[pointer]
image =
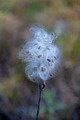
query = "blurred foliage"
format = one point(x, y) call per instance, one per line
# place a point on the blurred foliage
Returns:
point(8, 5)
point(60, 16)
point(52, 105)
point(33, 8)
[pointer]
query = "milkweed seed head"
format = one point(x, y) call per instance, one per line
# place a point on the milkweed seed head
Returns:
point(41, 55)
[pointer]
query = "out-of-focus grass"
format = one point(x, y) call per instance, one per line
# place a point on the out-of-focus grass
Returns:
point(9, 83)
point(50, 106)
point(9, 5)
point(33, 8)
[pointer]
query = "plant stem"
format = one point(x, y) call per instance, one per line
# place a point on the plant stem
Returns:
point(38, 108)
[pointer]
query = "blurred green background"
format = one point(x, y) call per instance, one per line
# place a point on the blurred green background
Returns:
point(19, 96)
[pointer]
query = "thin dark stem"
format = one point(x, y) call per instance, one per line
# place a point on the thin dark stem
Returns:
point(38, 108)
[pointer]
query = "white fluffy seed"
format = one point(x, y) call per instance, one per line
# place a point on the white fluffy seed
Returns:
point(42, 57)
